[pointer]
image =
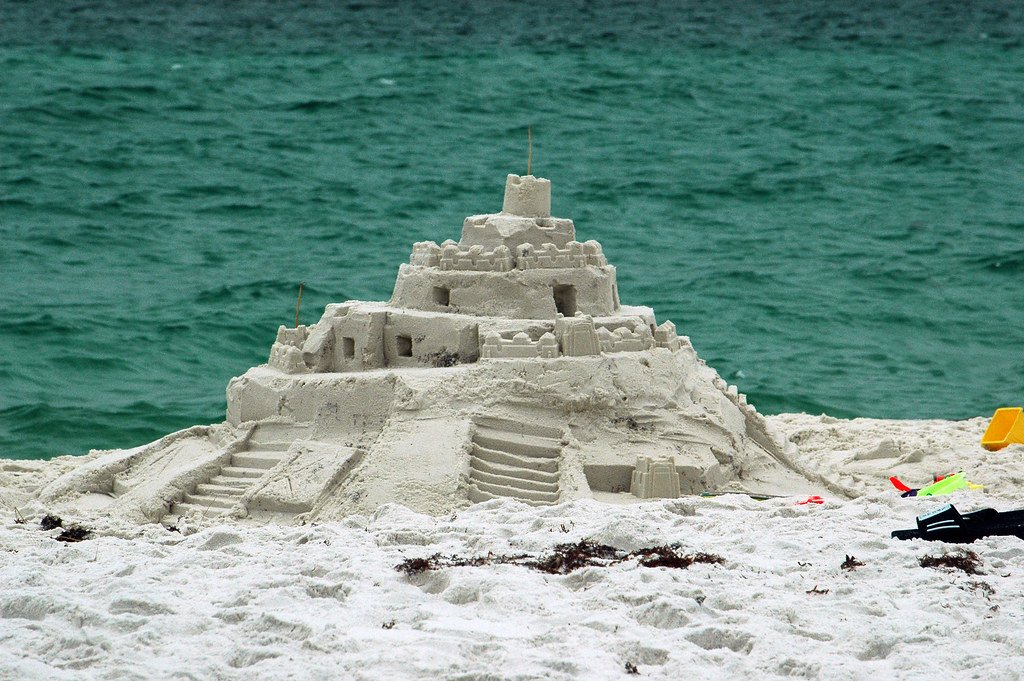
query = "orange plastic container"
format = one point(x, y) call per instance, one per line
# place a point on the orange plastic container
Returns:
point(1005, 428)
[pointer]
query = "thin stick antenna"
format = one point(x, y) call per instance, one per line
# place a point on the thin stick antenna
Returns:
point(529, 153)
point(298, 304)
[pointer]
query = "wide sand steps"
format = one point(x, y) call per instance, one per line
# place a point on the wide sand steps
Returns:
point(515, 459)
point(500, 458)
point(515, 443)
point(484, 466)
point(263, 460)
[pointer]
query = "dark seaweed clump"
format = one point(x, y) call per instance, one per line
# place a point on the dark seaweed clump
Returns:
point(964, 560)
point(414, 566)
point(74, 533)
point(668, 556)
point(71, 533)
point(566, 558)
point(51, 522)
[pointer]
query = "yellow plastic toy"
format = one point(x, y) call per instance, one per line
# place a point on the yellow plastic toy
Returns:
point(1006, 428)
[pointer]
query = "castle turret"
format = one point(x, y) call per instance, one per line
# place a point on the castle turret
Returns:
point(525, 218)
point(527, 196)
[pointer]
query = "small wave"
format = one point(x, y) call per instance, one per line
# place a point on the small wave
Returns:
point(15, 203)
point(104, 92)
point(24, 181)
point(252, 290)
point(231, 208)
point(52, 241)
point(925, 154)
point(313, 105)
point(75, 361)
point(77, 114)
point(195, 191)
point(38, 327)
point(773, 403)
point(1001, 263)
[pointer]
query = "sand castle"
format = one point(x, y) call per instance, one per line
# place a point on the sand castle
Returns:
point(504, 365)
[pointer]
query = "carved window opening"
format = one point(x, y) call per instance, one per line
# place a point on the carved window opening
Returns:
point(404, 346)
point(565, 299)
point(442, 296)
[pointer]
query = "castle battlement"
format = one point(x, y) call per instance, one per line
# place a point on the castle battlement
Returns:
point(475, 258)
point(451, 256)
point(624, 340)
point(520, 346)
point(575, 254)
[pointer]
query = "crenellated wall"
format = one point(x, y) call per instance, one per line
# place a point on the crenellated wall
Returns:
point(287, 358)
point(491, 231)
point(624, 340)
point(519, 346)
point(575, 254)
point(475, 258)
point(451, 256)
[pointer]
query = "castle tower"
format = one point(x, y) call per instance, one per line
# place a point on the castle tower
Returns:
point(521, 263)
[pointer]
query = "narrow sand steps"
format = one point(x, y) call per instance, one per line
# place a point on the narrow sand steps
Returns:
point(515, 459)
point(215, 497)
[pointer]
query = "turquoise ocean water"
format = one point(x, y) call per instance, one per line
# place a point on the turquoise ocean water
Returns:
point(829, 201)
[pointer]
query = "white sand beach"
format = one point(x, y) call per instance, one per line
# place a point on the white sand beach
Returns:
point(223, 600)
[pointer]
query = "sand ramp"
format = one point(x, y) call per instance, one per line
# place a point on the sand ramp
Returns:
point(515, 459)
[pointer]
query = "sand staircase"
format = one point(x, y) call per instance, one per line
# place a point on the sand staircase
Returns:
point(515, 459)
point(216, 496)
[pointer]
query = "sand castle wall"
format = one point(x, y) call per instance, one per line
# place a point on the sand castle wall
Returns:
point(540, 293)
point(355, 336)
point(341, 404)
point(358, 340)
point(491, 231)
point(412, 340)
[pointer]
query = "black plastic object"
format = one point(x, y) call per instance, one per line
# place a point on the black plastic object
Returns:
point(948, 525)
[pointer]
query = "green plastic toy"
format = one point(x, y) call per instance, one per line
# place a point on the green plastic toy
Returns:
point(947, 485)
